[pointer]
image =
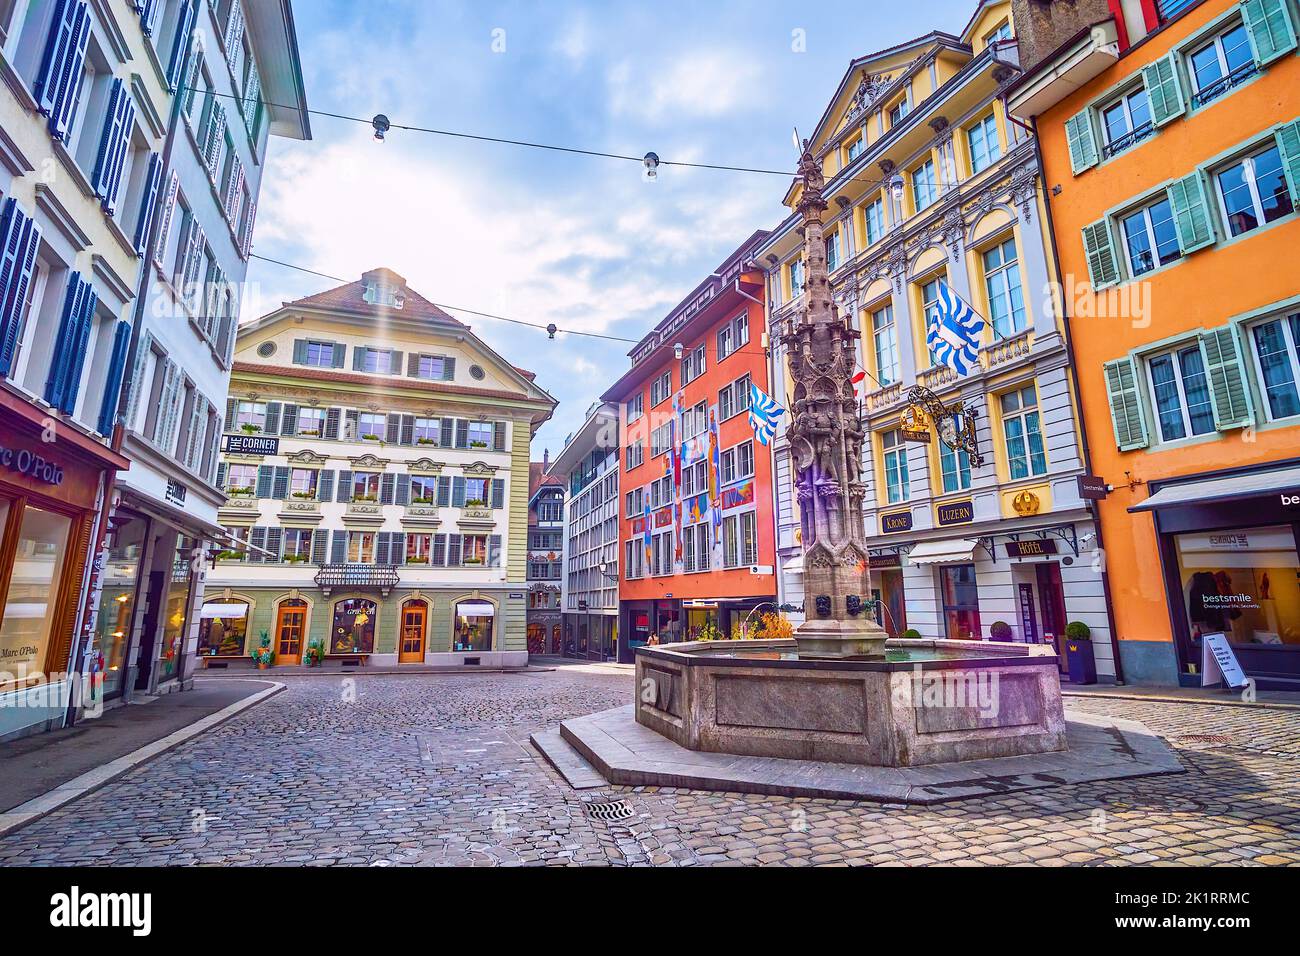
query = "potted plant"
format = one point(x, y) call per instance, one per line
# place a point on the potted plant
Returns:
point(262, 655)
point(911, 634)
point(423, 500)
point(314, 654)
point(230, 556)
point(1079, 658)
point(425, 441)
point(1000, 631)
point(364, 498)
point(314, 432)
point(417, 560)
point(295, 558)
point(472, 561)
point(474, 503)
point(304, 494)
point(240, 492)
point(370, 437)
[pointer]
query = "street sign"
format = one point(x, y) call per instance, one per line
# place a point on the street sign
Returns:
point(1217, 659)
point(1092, 488)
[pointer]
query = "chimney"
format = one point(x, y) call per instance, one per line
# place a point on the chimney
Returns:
point(546, 460)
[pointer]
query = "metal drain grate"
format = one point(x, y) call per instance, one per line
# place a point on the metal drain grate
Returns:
point(614, 810)
point(1205, 738)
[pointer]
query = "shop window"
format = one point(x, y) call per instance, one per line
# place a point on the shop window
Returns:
point(117, 602)
point(1180, 393)
point(353, 628)
point(1002, 282)
point(29, 610)
point(176, 609)
point(1253, 191)
point(1022, 431)
point(961, 610)
point(1242, 582)
point(897, 486)
point(474, 620)
point(1150, 237)
point(1277, 357)
point(223, 628)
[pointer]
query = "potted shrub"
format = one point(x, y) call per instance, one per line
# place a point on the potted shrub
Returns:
point(314, 654)
point(1000, 631)
point(1079, 658)
point(262, 655)
point(911, 634)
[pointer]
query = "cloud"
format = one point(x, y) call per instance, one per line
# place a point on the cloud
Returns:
point(705, 83)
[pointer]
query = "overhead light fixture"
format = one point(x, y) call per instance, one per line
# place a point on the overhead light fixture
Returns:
point(651, 162)
point(551, 330)
point(381, 125)
point(678, 351)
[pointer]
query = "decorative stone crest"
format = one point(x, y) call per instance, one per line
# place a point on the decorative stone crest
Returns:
point(307, 457)
point(479, 469)
point(368, 461)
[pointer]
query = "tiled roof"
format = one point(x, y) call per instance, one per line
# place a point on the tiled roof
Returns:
point(352, 298)
point(538, 478)
point(359, 378)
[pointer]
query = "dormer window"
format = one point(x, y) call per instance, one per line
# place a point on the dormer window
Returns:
point(383, 293)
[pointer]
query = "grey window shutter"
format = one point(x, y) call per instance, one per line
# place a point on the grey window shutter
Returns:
point(447, 428)
point(344, 487)
point(1226, 372)
point(397, 548)
point(381, 548)
point(265, 478)
point(438, 551)
point(458, 492)
point(272, 418)
point(340, 351)
point(325, 485)
point(332, 418)
point(1126, 410)
point(221, 475)
point(281, 490)
point(462, 433)
point(230, 415)
point(498, 493)
point(494, 551)
point(395, 362)
point(402, 493)
point(353, 417)
point(339, 547)
point(289, 420)
point(358, 358)
point(413, 365)
point(257, 538)
point(498, 436)
point(448, 369)
point(386, 482)
point(393, 429)
point(299, 351)
point(444, 491)
point(453, 550)
point(1081, 141)
point(319, 546)
point(275, 544)
point(407, 434)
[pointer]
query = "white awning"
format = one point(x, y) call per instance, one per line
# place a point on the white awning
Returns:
point(475, 609)
point(952, 551)
point(1227, 488)
point(229, 609)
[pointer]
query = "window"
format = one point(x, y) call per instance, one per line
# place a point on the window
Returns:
point(695, 420)
point(1230, 578)
point(659, 441)
point(796, 278)
point(925, 189)
point(635, 454)
point(1020, 428)
point(302, 482)
point(427, 431)
point(875, 216)
point(739, 540)
point(1253, 191)
point(250, 416)
point(1126, 121)
point(1277, 353)
point(884, 339)
point(474, 549)
point(1002, 32)
point(372, 425)
point(733, 335)
point(899, 110)
point(474, 621)
point(1002, 281)
point(954, 469)
point(550, 510)
point(365, 486)
point(1180, 394)
point(223, 628)
point(634, 559)
point(695, 548)
point(241, 478)
point(319, 355)
point(418, 548)
point(376, 360)
point(476, 492)
point(833, 251)
point(984, 146)
point(734, 398)
point(635, 500)
point(481, 434)
point(636, 407)
point(424, 489)
point(693, 364)
point(855, 149)
point(895, 459)
point(311, 421)
point(1221, 64)
point(433, 367)
point(361, 547)
point(662, 550)
point(660, 388)
point(297, 545)
point(353, 629)
point(929, 301)
point(29, 613)
point(695, 478)
point(737, 463)
point(1150, 237)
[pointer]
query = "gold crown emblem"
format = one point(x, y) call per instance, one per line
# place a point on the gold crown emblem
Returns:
point(1025, 503)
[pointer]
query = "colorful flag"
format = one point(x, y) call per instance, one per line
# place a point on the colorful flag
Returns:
point(763, 414)
point(953, 331)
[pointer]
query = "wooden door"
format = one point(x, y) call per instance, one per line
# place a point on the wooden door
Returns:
point(289, 625)
point(411, 650)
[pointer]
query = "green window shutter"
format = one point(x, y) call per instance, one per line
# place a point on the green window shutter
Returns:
point(1103, 266)
point(1126, 412)
point(1164, 90)
point(1288, 143)
point(1081, 141)
point(1191, 213)
point(1229, 391)
point(1271, 31)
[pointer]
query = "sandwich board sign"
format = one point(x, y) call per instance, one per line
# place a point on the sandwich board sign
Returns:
point(1219, 663)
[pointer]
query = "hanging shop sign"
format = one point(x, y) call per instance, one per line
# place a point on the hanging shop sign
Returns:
point(915, 424)
point(955, 512)
point(176, 492)
point(1031, 547)
point(896, 522)
point(1092, 488)
point(252, 445)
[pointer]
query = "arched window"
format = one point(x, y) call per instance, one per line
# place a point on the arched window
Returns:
point(223, 628)
point(353, 630)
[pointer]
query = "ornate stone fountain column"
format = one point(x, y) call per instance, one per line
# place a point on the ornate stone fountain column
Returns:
point(826, 438)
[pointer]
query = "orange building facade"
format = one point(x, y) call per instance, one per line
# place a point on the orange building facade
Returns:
point(696, 529)
point(1170, 141)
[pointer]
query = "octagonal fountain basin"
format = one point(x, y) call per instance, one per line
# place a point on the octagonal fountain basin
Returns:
point(923, 702)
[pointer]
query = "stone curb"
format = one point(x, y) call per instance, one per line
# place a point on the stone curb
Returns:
point(76, 788)
point(1162, 699)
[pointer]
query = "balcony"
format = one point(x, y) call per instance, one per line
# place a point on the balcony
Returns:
point(357, 576)
point(1005, 351)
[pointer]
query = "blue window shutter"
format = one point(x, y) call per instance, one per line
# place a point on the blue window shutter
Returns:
point(280, 491)
point(438, 553)
point(402, 493)
point(319, 546)
point(448, 368)
point(407, 435)
point(299, 351)
point(381, 548)
point(462, 433)
point(397, 548)
point(498, 436)
point(272, 418)
point(344, 492)
point(458, 492)
point(358, 359)
point(387, 485)
point(289, 420)
point(257, 538)
point(265, 478)
point(59, 78)
point(152, 183)
point(113, 145)
point(395, 362)
point(444, 491)
point(221, 475)
point(392, 429)
point(332, 417)
point(453, 550)
point(339, 547)
point(275, 544)
point(20, 237)
point(494, 551)
point(68, 358)
point(339, 351)
point(113, 384)
point(446, 428)
point(498, 493)
point(181, 43)
point(325, 485)
point(148, 15)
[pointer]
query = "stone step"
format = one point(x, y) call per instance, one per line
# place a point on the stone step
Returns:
point(572, 766)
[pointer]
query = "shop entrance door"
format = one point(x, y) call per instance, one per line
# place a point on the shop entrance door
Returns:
point(1051, 602)
point(290, 621)
point(412, 650)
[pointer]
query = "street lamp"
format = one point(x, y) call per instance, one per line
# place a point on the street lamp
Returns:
point(381, 125)
point(603, 568)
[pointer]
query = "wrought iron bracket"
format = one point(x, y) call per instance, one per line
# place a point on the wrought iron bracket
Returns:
point(962, 437)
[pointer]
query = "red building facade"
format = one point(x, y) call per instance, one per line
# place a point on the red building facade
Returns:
point(696, 525)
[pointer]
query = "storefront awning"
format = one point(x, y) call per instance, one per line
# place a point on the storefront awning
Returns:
point(475, 609)
point(1225, 488)
point(952, 551)
point(224, 609)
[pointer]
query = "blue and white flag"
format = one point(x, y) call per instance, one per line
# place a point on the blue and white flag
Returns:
point(763, 414)
point(953, 331)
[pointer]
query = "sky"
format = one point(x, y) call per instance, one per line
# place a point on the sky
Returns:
point(583, 242)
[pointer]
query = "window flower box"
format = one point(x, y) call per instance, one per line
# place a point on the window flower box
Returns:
point(240, 492)
point(371, 437)
point(478, 444)
point(230, 555)
point(364, 498)
point(250, 429)
point(472, 561)
point(417, 560)
point(421, 501)
point(304, 494)
point(425, 441)
point(295, 559)
point(313, 432)
point(475, 503)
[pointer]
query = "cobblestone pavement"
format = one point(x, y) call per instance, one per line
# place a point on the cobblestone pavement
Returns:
point(438, 770)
